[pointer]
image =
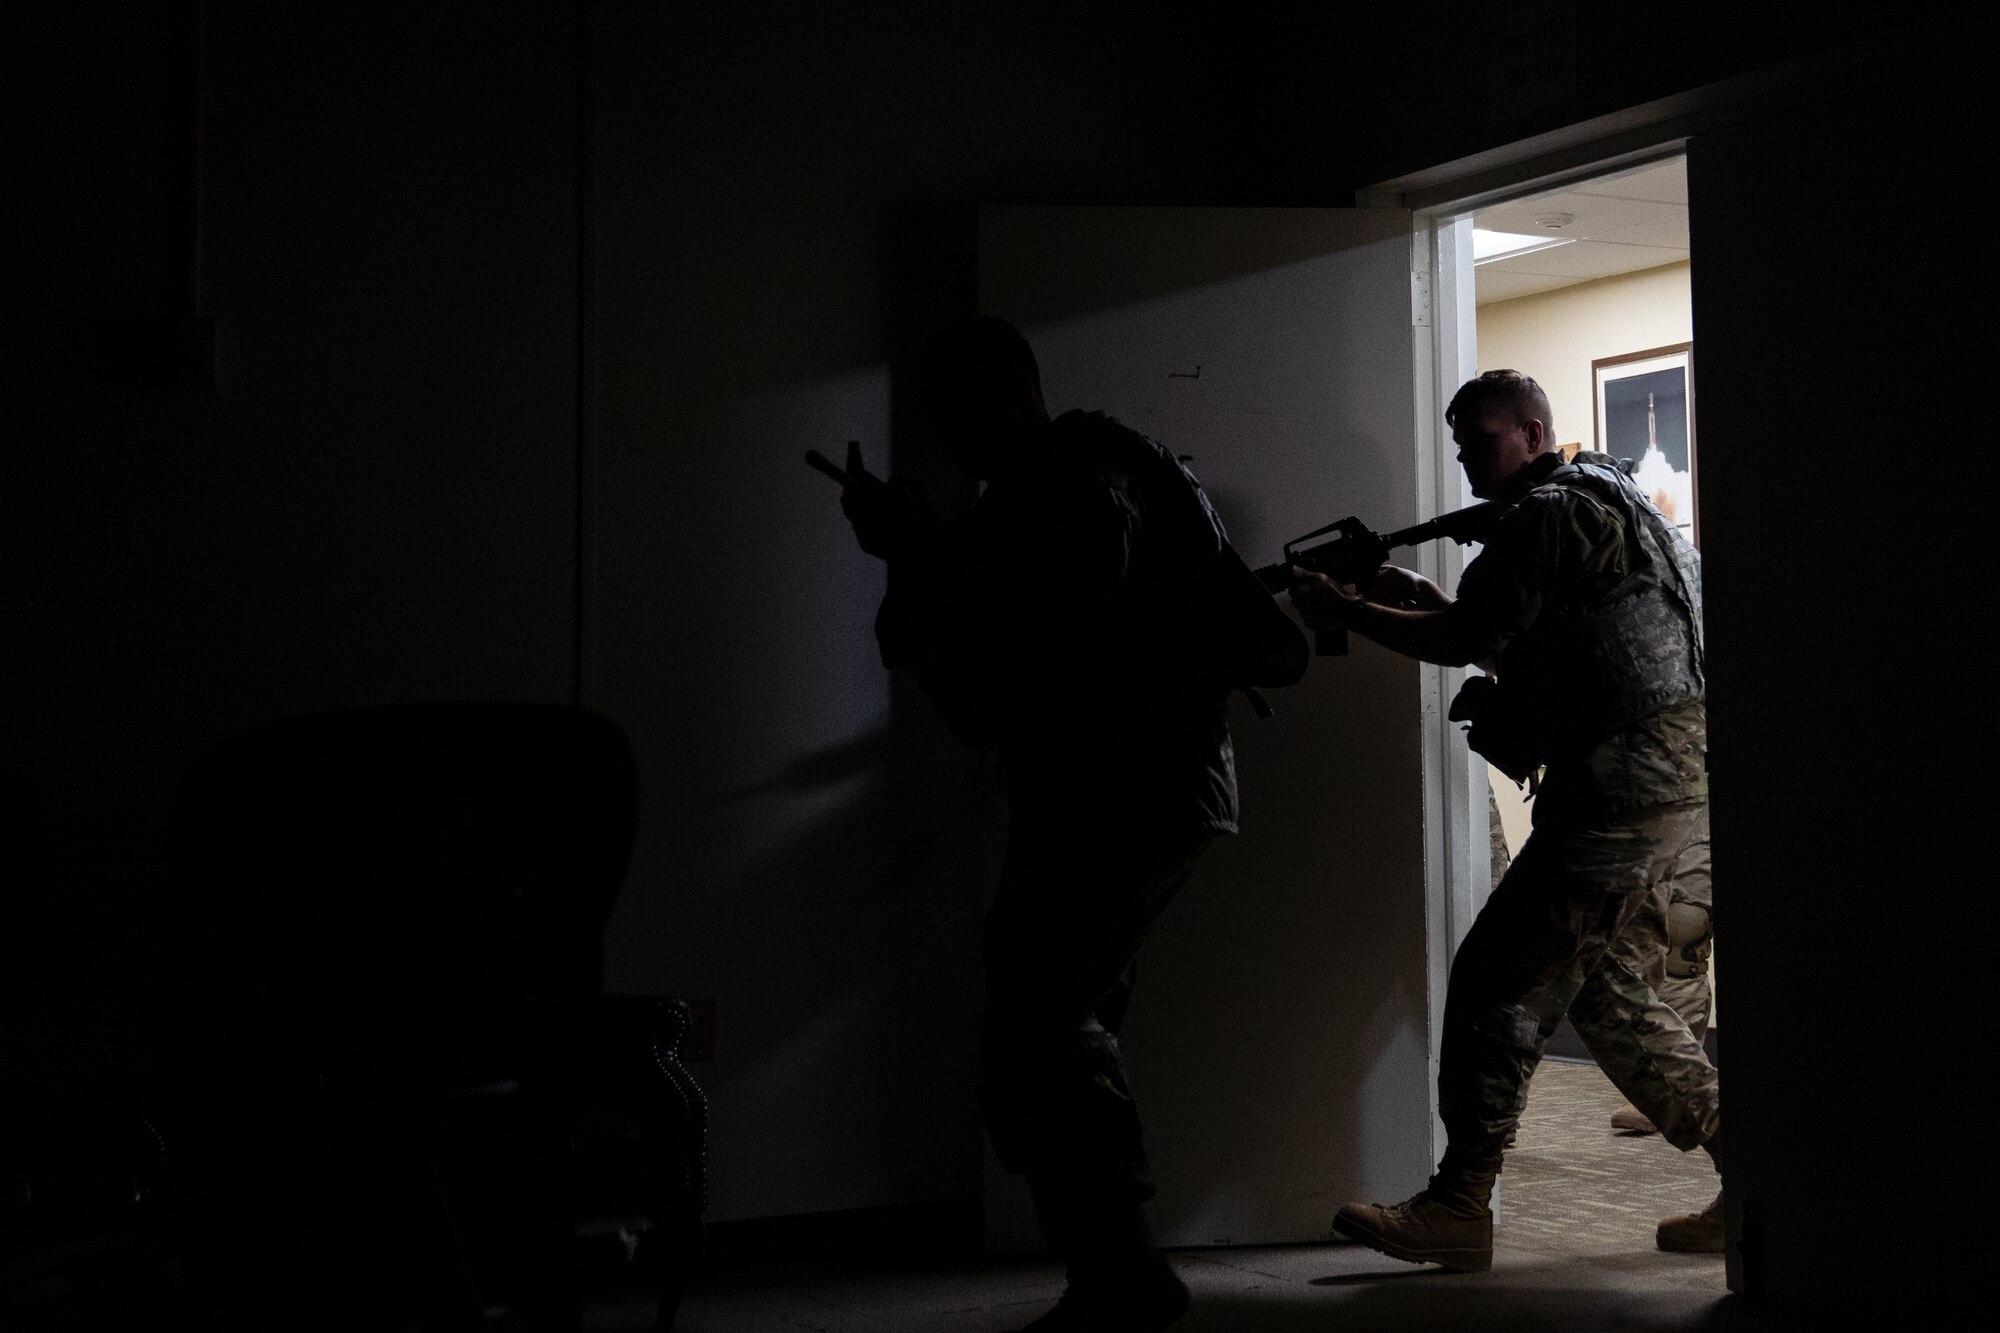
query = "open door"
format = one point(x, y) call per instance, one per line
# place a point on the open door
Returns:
point(1280, 1044)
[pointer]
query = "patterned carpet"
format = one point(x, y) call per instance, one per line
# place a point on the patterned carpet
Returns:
point(1574, 1187)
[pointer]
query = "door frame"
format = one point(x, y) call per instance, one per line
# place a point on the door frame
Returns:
point(1441, 200)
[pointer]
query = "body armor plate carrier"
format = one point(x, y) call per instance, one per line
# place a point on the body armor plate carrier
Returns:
point(1578, 679)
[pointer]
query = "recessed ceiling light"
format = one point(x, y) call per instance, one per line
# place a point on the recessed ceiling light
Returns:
point(1488, 246)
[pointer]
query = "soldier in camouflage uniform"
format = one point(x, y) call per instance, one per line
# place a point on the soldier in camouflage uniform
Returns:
point(1055, 619)
point(1588, 604)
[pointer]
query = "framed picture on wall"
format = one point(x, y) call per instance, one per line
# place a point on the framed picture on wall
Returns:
point(1645, 412)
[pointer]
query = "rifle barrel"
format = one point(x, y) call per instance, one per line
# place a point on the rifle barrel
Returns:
point(1444, 525)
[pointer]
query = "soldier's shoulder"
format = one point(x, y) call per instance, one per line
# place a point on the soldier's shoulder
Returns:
point(1546, 502)
point(1102, 444)
point(1550, 518)
point(1102, 434)
point(1573, 493)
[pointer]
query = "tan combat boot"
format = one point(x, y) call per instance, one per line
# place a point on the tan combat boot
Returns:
point(1629, 1119)
point(1448, 1223)
point(1693, 1233)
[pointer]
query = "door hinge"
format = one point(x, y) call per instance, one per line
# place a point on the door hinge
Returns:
point(1420, 300)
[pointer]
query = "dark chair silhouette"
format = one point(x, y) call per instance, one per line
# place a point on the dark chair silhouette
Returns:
point(395, 1029)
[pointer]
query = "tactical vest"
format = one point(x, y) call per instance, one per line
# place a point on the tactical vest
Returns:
point(1199, 611)
point(1638, 650)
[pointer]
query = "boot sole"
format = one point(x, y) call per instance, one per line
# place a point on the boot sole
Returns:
point(1457, 1260)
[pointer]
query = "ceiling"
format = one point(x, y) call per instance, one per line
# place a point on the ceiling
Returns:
point(1622, 223)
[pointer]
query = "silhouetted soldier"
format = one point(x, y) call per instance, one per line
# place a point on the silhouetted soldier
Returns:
point(1589, 601)
point(1054, 619)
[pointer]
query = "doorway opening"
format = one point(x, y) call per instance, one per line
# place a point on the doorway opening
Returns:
point(1585, 285)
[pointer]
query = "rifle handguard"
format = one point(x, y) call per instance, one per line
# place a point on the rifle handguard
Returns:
point(1354, 554)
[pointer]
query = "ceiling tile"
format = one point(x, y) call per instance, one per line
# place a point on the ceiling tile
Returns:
point(1668, 232)
point(1594, 215)
point(1619, 224)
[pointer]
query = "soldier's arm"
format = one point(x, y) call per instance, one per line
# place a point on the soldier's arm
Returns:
point(1499, 595)
point(1428, 635)
point(1407, 590)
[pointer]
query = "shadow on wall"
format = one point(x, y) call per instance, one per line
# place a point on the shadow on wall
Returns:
point(848, 1024)
point(810, 847)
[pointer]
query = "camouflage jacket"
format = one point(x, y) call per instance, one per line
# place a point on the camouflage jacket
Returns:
point(1591, 612)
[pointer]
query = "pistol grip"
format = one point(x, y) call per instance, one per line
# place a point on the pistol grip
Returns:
point(1331, 641)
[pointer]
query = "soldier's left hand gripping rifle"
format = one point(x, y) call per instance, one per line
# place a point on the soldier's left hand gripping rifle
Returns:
point(890, 517)
point(1354, 554)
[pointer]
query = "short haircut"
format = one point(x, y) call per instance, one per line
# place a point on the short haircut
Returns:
point(1508, 390)
point(983, 360)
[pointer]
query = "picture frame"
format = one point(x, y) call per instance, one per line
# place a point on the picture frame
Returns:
point(1645, 413)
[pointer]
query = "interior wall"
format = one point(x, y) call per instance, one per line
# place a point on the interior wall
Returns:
point(787, 203)
point(372, 497)
point(1847, 806)
point(1269, 1095)
point(1554, 336)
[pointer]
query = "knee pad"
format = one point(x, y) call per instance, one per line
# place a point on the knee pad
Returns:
point(1689, 940)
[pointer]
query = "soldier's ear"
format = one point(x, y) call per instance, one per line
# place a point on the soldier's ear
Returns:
point(1537, 432)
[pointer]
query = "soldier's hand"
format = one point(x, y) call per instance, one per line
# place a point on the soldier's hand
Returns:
point(1322, 603)
point(891, 518)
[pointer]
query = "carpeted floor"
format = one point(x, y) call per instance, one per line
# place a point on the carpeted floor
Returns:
point(1574, 1253)
point(1573, 1187)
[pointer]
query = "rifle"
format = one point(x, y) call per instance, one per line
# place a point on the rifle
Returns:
point(853, 472)
point(1354, 553)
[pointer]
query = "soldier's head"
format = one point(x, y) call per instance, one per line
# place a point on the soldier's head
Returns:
point(983, 393)
point(1501, 423)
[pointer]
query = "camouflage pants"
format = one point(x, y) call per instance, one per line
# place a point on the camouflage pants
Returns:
point(1578, 925)
point(1061, 943)
point(1690, 898)
point(1684, 982)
